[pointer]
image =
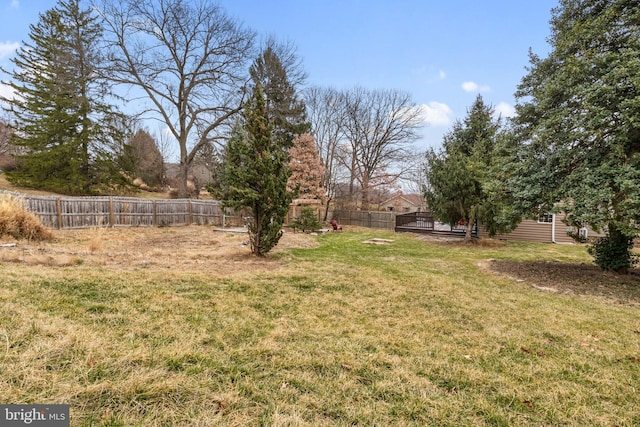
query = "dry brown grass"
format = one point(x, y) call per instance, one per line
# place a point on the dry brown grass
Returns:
point(183, 327)
point(18, 223)
point(193, 248)
point(7, 186)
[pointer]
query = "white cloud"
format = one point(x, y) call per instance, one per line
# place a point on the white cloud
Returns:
point(6, 92)
point(436, 113)
point(475, 87)
point(15, 4)
point(505, 110)
point(7, 49)
point(442, 75)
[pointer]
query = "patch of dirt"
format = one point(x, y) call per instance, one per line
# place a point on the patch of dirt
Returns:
point(580, 279)
point(378, 241)
point(459, 240)
point(190, 248)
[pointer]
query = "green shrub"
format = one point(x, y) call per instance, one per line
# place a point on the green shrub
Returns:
point(307, 221)
point(613, 252)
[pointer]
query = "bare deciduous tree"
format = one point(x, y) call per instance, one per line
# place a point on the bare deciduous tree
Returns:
point(188, 58)
point(324, 109)
point(413, 179)
point(379, 126)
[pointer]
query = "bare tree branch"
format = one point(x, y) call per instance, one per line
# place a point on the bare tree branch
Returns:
point(189, 59)
point(324, 109)
point(380, 126)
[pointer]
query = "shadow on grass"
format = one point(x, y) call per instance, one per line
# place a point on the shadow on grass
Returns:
point(575, 278)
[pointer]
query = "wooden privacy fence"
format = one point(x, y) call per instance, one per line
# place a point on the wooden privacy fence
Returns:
point(371, 219)
point(86, 212)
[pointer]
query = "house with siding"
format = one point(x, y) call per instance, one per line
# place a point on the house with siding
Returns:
point(548, 228)
point(404, 203)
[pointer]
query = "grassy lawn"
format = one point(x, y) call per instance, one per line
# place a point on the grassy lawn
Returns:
point(342, 333)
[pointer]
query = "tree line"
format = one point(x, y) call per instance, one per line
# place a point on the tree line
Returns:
point(87, 77)
point(573, 146)
point(185, 64)
point(242, 108)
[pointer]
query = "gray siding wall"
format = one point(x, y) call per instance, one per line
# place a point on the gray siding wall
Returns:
point(531, 230)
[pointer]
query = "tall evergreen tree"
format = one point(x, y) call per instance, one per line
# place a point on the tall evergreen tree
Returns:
point(460, 183)
point(284, 108)
point(255, 174)
point(578, 124)
point(61, 118)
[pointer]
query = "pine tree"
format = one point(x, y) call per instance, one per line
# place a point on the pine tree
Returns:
point(61, 119)
point(578, 124)
point(307, 170)
point(307, 221)
point(255, 175)
point(458, 176)
point(284, 109)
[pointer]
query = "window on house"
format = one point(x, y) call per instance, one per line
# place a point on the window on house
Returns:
point(390, 208)
point(545, 218)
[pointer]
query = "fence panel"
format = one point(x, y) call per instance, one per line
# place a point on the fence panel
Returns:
point(366, 219)
point(132, 212)
point(83, 212)
point(172, 212)
point(206, 213)
point(86, 212)
point(382, 220)
point(45, 207)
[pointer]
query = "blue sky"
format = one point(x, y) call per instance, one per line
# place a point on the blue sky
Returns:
point(442, 52)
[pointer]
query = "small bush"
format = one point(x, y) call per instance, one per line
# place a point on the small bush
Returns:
point(18, 223)
point(613, 252)
point(307, 221)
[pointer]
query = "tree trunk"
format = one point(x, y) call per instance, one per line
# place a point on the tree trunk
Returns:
point(255, 230)
point(326, 209)
point(364, 201)
point(182, 179)
point(468, 235)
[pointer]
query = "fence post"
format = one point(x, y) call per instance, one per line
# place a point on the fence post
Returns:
point(112, 220)
point(190, 220)
point(154, 220)
point(59, 212)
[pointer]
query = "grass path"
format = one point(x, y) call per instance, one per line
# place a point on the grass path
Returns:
point(407, 334)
